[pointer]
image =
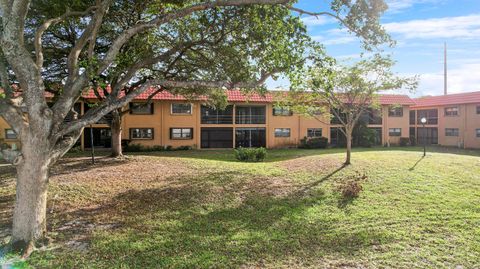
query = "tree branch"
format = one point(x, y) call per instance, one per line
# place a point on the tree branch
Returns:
point(42, 28)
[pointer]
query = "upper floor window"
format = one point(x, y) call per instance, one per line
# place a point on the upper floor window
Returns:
point(430, 114)
point(451, 132)
point(282, 111)
point(395, 131)
point(282, 132)
point(181, 108)
point(451, 111)
point(250, 115)
point(395, 112)
point(181, 133)
point(141, 133)
point(478, 109)
point(215, 116)
point(141, 108)
point(10, 134)
point(314, 132)
point(412, 116)
point(478, 132)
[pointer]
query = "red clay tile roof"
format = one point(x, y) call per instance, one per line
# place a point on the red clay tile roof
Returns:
point(240, 96)
point(450, 99)
point(395, 99)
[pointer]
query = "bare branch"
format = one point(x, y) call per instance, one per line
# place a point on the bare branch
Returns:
point(42, 28)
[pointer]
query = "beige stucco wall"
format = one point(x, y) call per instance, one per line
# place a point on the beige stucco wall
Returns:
point(394, 122)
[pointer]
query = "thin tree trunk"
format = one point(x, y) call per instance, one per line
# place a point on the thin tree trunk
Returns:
point(349, 147)
point(29, 216)
point(116, 128)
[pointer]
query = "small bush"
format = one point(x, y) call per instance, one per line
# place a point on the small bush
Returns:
point(184, 148)
point(413, 141)
point(314, 143)
point(351, 186)
point(142, 148)
point(404, 141)
point(250, 154)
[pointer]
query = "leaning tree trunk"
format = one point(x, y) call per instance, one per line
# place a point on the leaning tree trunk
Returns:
point(116, 128)
point(29, 216)
point(349, 146)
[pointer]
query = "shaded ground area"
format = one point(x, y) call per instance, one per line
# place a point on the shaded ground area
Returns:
point(202, 209)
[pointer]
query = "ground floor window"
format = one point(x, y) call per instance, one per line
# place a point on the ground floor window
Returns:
point(282, 132)
point(10, 134)
point(141, 133)
point(181, 133)
point(101, 137)
point(451, 132)
point(314, 132)
point(478, 132)
point(427, 135)
point(395, 131)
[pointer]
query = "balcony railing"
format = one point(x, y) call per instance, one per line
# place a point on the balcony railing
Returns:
point(250, 119)
point(430, 120)
point(217, 119)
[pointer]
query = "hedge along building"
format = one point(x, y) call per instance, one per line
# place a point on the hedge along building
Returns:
point(253, 120)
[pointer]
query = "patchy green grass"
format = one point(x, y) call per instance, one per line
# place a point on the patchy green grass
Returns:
point(202, 209)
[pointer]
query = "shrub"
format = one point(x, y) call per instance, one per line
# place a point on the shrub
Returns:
point(314, 143)
point(76, 149)
point(404, 141)
point(351, 186)
point(134, 148)
point(184, 148)
point(413, 141)
point(250, 154)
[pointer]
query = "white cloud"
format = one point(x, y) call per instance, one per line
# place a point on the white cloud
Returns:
point(395, 6)
point(335, 37)
point(465, 78)
point(316, 20)
point(447, 27)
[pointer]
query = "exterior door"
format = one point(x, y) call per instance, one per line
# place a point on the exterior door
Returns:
point(428, 135)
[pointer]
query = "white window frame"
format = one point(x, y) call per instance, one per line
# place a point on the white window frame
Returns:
point(315, 131)
point(174, 113)
point(454, 132)
point(142, 138)
point(181, 133)
point(7, 134)
point(395, 131)
point(282, 132)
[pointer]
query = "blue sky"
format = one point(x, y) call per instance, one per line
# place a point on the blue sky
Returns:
point(420, 28)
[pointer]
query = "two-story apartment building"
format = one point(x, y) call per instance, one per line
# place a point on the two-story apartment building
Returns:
point(254, 120)
point(452, 120)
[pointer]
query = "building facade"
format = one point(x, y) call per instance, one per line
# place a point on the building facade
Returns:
point(254, 120)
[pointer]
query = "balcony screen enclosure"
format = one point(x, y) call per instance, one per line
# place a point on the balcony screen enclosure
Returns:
point(250, 115)
point(250, 137)
point(214, 116)
point(216, 138)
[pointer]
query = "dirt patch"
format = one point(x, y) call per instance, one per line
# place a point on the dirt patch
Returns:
point(313, 164)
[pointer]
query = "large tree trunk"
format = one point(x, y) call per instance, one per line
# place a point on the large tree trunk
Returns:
point(349, 146)
point(29, 216)
point(116, 128)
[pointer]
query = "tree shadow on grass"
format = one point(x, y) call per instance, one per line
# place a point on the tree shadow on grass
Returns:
point(416, 163)
point(221, 220)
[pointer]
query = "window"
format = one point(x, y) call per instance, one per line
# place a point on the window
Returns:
point(478, 132)
point(478, 109)
point(141, 108)
point(451, 111)
point(451, 132)
point(282, 111)
point(10, 134)
point(430, 114)
point(282, 132)
point(141, 133)
point(395, 131)
point(314, 132)
point(395, 112)
point(181, 133)
point(412, 116)
point(179, 108)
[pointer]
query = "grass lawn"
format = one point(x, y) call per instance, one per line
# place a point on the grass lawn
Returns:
point(202, 209)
